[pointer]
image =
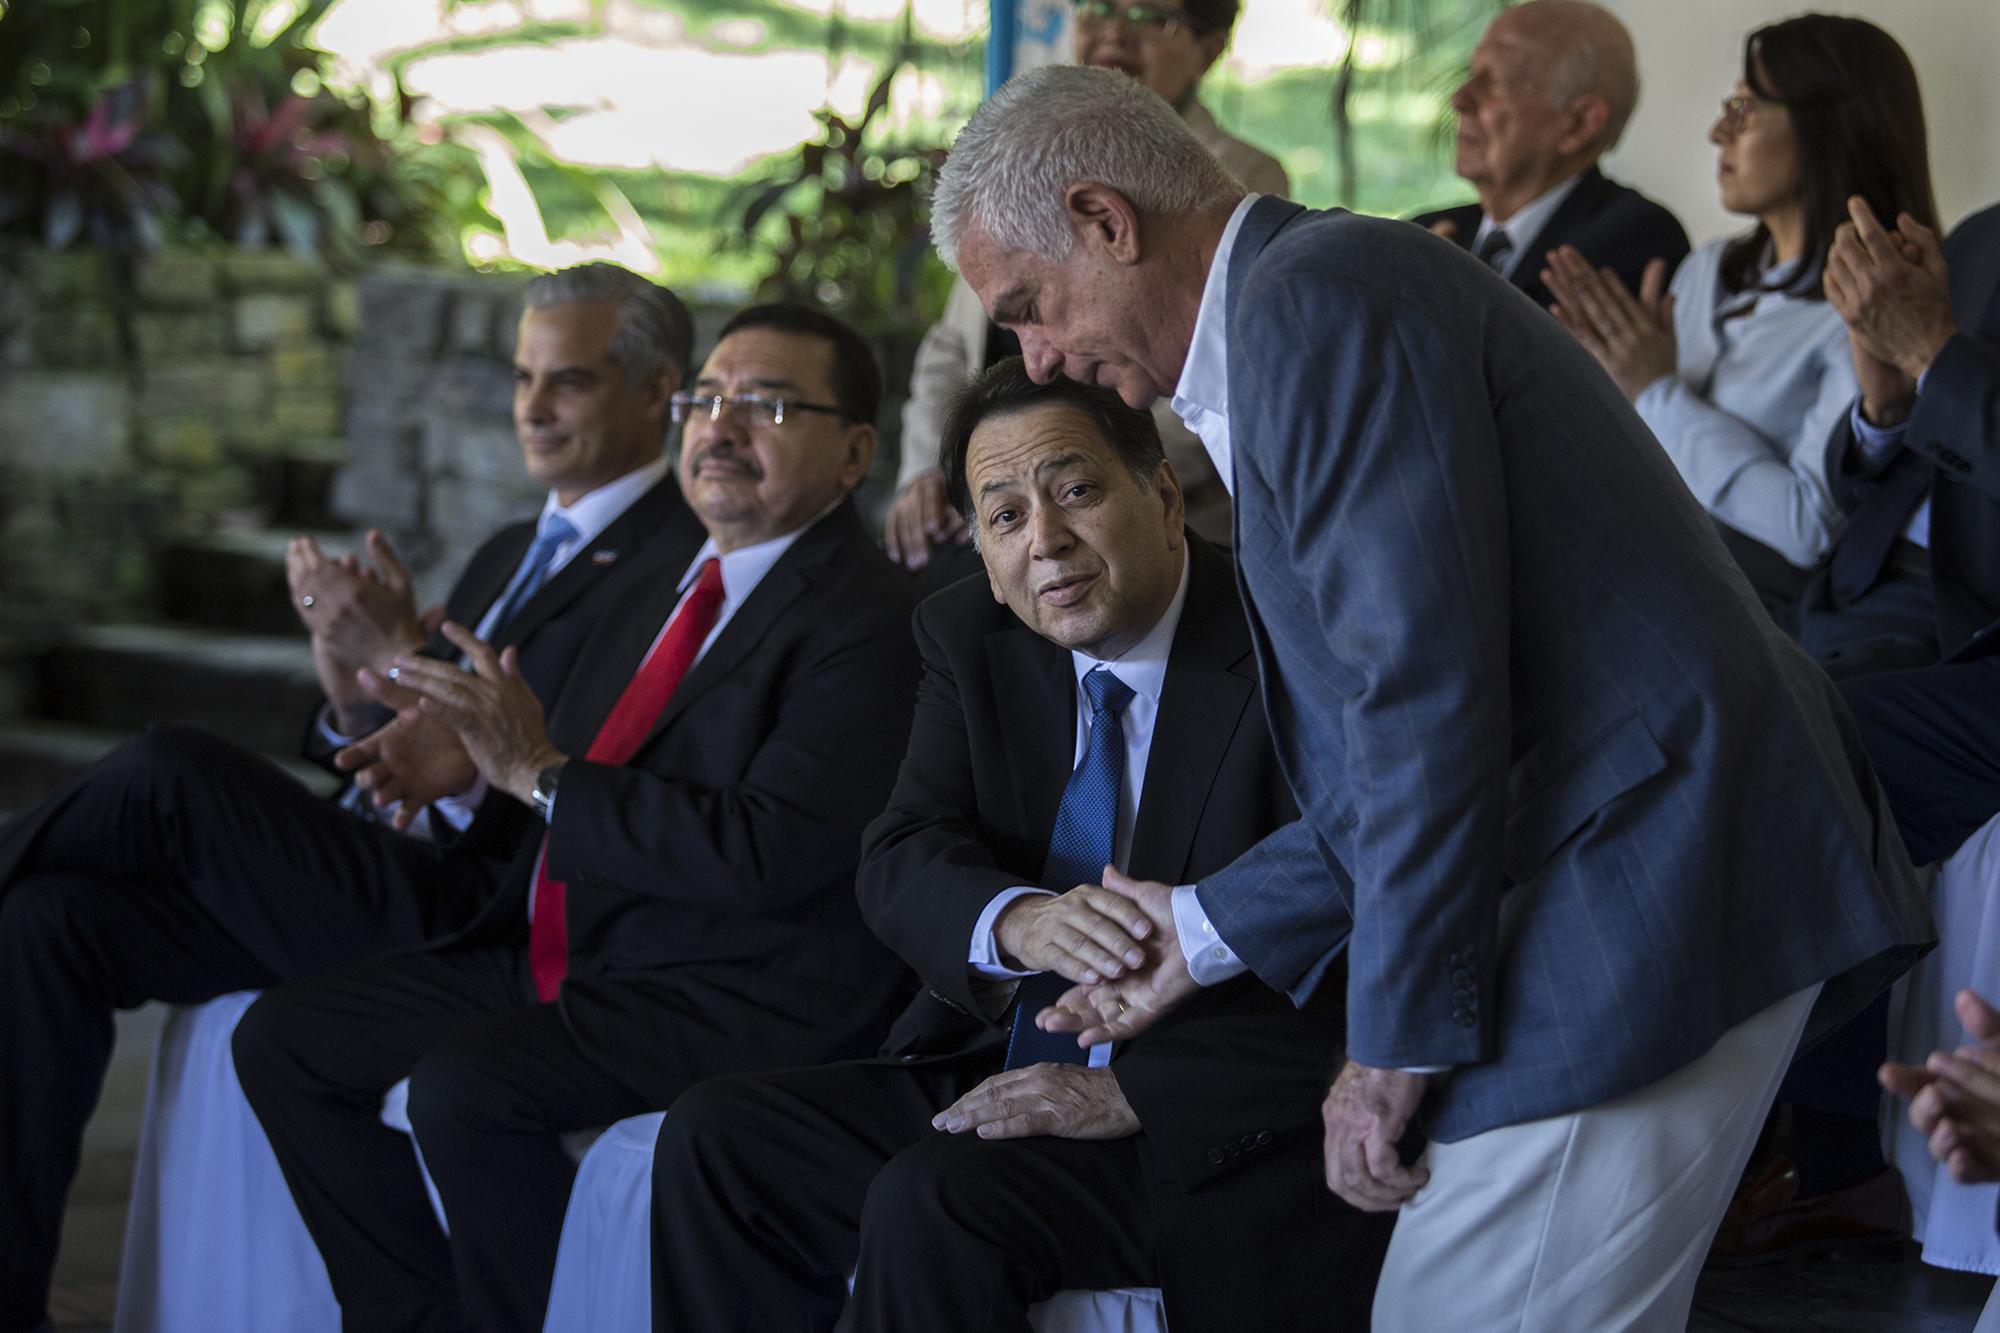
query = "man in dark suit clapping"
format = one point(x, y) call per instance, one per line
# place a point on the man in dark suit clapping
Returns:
point(1090, 701)
point(181, 868)
point(687, 907)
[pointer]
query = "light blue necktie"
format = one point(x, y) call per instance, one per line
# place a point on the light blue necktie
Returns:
point(534, 571)
point(1079, 849)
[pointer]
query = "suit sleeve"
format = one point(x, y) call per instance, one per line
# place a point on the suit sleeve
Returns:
point(1383, 455)
point(926, 870)
point(765, 842)
point(1956, 421)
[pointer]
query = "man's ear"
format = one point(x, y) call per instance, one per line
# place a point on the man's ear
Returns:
point(1103, 219)
point(1167, 483)
point(859, 441)
point(658, 389)
point(1583, 124)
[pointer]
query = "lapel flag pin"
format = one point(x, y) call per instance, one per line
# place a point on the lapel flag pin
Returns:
point(603, 557)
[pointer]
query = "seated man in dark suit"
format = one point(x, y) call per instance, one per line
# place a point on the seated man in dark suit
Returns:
point(1919, 460)
point(688, 909)
point(180, 868)
point(1550, 88)
point(980, 1165)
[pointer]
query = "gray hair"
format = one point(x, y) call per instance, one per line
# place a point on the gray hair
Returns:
point(654, 330)
point(1049, 128)
point(1589, 53)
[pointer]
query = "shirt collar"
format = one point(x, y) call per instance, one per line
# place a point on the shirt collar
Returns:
point(1204, 382)
point(745, 567)
point(597, 510)
point(1528, 221)
point(1143, 666)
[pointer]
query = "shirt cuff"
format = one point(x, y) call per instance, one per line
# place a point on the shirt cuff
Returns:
point(1876, 442)
point(983, 954)
point(1210, 960)
point(326, 729)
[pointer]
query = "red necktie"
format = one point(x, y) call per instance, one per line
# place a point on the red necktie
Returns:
point(625, 727)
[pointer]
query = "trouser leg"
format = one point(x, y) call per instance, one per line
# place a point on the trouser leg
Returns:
point(301, 883)
point(963, 1233)
point(72, 950)
point(314, 1060)
point(488, 1108)
point(758, 1185)
point(1598, 1219)
point(1934, 736)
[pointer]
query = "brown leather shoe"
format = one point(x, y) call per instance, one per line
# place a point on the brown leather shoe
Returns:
point(1767, 1220)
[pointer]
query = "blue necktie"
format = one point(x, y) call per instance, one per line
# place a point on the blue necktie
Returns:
point(534, 570)
point(1079, 849)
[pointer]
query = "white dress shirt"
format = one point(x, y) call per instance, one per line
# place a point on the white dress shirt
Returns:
point(1142, 667)
point(1526, 224)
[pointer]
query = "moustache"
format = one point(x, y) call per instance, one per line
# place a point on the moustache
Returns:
point(729, 458)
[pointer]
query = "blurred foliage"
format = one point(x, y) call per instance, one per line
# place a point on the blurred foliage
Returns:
point(194, 119)
point(845, 218)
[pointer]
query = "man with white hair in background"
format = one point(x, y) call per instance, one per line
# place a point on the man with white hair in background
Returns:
point(1593, 834)
point(1550, 88)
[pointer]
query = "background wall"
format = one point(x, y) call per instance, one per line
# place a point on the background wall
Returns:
point(1689, 55)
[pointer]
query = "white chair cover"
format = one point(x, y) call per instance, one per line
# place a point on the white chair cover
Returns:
point(604, 1268)
point(213, 1242)
point(1954, 1222)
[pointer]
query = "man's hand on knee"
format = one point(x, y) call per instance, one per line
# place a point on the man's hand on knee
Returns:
point(1056, 1101)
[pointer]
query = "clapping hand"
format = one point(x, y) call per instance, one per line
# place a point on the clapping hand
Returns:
point(494, 713)
point(1892, 289)
point(1123, 1006)
point(1632, 337)
point(1954, 1096)
point(358, 616)
point(414, 760)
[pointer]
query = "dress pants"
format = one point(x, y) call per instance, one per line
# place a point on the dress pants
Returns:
point(495, 1080)
point(1598, 1219)
point(769, 1190)
point(1934, 736)
point(178, 868)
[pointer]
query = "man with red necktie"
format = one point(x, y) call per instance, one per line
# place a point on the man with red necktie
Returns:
point(689, 910)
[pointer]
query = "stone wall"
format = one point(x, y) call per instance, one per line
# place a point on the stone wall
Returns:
point(226, 372)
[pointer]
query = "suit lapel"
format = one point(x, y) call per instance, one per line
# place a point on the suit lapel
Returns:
point(788, 581)
point(1266, 218)
point(1036, 704)
point(644, 520)
point(1210, 682)
point(1577, 205)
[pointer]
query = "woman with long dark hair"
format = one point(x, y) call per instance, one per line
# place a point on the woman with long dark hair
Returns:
point(1743, 368)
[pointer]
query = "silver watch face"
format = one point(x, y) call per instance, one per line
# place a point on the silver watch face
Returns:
point(545, 786)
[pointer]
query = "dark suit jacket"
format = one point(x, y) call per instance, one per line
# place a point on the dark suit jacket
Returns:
point(1613, 225)
point(1234, 1077)
point(653, 539)
point(713, 875)
point(1506, 657)
point(1953, 440)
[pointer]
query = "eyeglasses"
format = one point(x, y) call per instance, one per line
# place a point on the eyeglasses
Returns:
point(761, 410)
point(1147, 18)
point(1737, 107)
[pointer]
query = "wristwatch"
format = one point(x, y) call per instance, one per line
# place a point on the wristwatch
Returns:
point(543, 796)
